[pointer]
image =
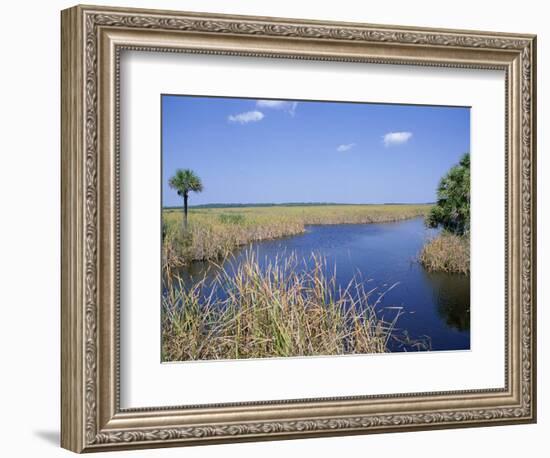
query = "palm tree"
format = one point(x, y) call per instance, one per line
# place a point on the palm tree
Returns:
point(184, 181)
point(452, 209)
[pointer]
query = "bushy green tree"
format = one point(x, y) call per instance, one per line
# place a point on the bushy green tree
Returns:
point(452, 210)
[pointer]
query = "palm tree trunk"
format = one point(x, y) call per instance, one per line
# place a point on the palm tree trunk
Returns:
point(185, 197)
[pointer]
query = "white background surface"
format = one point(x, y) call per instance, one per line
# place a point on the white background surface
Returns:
point(145, 76)
point(29, 242)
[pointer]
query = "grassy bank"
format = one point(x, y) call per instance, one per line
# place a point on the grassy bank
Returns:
point(447, 253)
point(214, 232)
point(279, 310)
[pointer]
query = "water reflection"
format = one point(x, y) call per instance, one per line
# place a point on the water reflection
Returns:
point(436, 305)
point(452, 296)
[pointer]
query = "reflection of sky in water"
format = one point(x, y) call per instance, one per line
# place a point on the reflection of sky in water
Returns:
point(434, 304)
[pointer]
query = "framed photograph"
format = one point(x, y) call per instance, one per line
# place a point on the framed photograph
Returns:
point(277, 228)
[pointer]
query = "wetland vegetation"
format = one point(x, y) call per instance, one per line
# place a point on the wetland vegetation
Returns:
point(213, 233)
point(330, 277)
point(450, 251)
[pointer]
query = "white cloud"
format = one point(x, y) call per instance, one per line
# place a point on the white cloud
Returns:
point(278, 104)
point(396, 138)
point(289, 107)
point(246, 117)
point(345, 147)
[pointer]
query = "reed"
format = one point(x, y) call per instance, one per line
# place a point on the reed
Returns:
point(213, 233)
point(448, 253)
point(284, 308)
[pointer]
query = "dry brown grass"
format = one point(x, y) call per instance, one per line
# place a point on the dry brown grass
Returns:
point(447, 253)
point(213, 233)
point(277, 310)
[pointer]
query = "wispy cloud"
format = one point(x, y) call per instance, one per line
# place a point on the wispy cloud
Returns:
point(289, 107)
point(277, 104)
point(396, 138)
point(345, 147)
point(293, 107)
point(246, 117)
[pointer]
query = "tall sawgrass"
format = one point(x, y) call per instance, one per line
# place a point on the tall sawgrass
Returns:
point(283, 308)
point(447, 253)
point(210, 240)
point(213, 233)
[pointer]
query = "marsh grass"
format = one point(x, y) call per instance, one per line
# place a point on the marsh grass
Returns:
point(231, 218)
point(285, 308)
point(448, 253)
point(213, 233)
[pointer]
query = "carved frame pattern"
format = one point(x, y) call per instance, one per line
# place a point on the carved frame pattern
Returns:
point(82, 403)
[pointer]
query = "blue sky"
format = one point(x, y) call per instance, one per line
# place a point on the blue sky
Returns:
point(274, 151)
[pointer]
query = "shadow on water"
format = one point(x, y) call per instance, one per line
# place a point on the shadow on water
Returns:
point(452, 296)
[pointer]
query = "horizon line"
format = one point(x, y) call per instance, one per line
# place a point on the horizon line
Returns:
point(251, 204)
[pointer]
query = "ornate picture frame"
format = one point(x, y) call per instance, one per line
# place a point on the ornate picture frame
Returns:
point(92, 40)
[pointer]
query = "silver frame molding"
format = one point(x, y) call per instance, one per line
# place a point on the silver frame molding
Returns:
point(92, 40)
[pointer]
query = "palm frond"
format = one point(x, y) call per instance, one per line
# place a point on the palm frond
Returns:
point(185, 181)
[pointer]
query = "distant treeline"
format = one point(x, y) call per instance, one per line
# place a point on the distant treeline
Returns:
point(286, 204)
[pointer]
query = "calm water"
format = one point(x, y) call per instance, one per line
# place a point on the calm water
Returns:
point(383, 255)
